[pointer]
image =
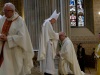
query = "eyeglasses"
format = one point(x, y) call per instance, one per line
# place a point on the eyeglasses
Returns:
point(8, 10)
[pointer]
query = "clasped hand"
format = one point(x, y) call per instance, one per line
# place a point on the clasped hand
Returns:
point(3, 37)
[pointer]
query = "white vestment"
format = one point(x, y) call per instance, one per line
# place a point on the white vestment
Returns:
point(17, 51)
point(68, 63)
point(47, 51)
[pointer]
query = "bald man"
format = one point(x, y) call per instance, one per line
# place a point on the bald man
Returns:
point(15, 44)
point(68, 64)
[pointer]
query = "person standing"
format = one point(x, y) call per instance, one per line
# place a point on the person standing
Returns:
point(48, 43)
point(81, 56)
point(68, 63)
point(15, 44)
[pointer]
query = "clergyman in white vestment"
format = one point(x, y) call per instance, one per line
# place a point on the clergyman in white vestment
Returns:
point(68, 63)
point(48, 43)
point(15, 45)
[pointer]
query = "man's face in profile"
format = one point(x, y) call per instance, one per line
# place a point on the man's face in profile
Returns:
point(52, 21)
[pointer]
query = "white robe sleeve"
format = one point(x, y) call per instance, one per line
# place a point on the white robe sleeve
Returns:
point(53, 37)
point(64, 52)
point(21, 38)
point(52, 33)
point(11, 41)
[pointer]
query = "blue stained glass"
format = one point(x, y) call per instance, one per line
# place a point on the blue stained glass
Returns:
point(72, 2)
point(72, 13)
point(77, 16)
point(80, 10)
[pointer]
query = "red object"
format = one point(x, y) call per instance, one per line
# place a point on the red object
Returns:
point(5, 31)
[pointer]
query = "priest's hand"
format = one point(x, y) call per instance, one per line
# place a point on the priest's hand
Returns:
point(58, 54)
point(3, 37)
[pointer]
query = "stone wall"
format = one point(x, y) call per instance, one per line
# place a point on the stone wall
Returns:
point(84, 36)
point(96, 6)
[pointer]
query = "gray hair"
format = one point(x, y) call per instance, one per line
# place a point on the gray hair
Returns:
point(62, 33)
point(9, 5)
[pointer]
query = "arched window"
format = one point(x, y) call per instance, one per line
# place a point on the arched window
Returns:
point(77, 13)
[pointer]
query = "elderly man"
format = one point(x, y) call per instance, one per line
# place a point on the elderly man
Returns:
point(48, 45)
point(15, 44)
point(68, 64)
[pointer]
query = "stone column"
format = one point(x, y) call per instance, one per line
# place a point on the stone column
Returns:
point(65, 21)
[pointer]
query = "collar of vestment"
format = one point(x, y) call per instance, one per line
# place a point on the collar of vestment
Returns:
point(64, 41)
point(46, 21)
point(13, 17)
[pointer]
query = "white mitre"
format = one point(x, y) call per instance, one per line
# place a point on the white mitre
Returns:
point(55, 15)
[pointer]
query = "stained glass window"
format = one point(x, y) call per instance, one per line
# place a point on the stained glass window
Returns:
point(77, 13)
